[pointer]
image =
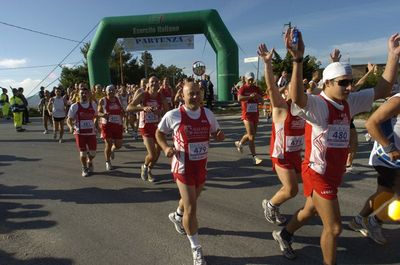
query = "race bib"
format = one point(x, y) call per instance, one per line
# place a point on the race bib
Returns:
point(86, 124)
point(251, 107)
point(338, 136)
point(198, 151)
point(114, 119)
point(150, 117)
point(294, 143)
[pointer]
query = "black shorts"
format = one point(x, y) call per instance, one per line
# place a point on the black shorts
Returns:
point(58, 119)
point(387, 176)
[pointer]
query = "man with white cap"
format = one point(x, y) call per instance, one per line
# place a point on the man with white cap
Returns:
point(111, 117)
point(250, 96)
point(327, 134)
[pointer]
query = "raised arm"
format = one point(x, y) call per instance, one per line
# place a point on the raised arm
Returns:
point(371, 69)
point(275, 96)
point(384, 112)
point(296, 92)
point(385, 83)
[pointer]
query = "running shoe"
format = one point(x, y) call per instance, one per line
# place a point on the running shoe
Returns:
point(178, 224)
point(358, 226)
point(144, 172)
point(351, 170)
point(85, 172)
point(150, 176)
point(45, 132)
point(285, 246)
point(256, 160)
point(239, 147)
point(109, 166)
point(198, 258)
point(60, 140)
point(374, 230)
point(272, 214)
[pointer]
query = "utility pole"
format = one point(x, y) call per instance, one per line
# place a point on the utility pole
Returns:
point(122, 68)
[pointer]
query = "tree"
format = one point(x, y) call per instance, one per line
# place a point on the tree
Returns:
point(70, 76)
point(146, 61)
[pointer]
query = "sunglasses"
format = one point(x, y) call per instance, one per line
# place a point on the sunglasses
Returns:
point(344, 82)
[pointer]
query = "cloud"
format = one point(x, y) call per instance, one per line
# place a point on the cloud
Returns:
point(28, 84)
point(11, 63)
point(374, 50)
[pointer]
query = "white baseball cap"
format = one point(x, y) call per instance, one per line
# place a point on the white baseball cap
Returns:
point(109, 87)
point(336, 69)
point(249, 75)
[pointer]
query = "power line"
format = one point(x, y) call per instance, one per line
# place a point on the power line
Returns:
point(76, 46)
point(38, 32)
point(35, 66)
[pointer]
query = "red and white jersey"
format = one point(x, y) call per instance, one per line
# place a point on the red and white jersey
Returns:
point(83, 114)
point(191, 142)
point(287, 137)
point(191, 130)
point(327, 130)
point(250, 106)
point(124, 100)
point(150, 117)
point(166, 92)
point(114, 111)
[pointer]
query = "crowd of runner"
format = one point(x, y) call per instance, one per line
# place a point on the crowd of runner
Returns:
point(312, 136)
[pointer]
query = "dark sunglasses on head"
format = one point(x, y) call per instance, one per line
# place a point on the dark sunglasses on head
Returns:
point(344, 82)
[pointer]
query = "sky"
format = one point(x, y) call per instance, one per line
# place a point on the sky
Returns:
point(360, 29)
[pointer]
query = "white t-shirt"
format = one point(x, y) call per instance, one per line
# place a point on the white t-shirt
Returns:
point(74, 109)
point(392, 131)
point(172, 120)
point(316, 111)
point(58, 107)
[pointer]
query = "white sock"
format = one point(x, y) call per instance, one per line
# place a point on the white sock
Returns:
point(178, 214)
point(270, 205)
point(194, 240)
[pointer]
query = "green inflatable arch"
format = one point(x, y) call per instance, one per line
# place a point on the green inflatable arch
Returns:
point(207, 22)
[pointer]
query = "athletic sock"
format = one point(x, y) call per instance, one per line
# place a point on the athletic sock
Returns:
point(194, 240)
point(178, 214)
point(271, 206)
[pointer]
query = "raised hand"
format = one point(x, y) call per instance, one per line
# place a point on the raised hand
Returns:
point(393, 44)
point(296, 53)
point(264, 53)
point(371, 67)
point(335, 55)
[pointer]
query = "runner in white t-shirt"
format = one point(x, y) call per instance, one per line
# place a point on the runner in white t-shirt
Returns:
point(384, 127)
point(327, 140)
point(192, 126)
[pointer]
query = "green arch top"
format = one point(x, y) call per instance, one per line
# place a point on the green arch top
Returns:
point(207, 22)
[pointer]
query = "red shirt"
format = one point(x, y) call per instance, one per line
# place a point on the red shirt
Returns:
point(250, 106)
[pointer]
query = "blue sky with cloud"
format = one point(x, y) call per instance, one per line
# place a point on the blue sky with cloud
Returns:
point(359, 28)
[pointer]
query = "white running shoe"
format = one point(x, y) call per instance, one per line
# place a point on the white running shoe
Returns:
point(285, 246)
point(45, 132)
point(239, 147)
point(198, 258)
point(60, 140)
point(256, 160)
point(144, 172)
point(178, 224)
point(109, 166)
point(150, 176)
point(85, 172)
point(272, 215)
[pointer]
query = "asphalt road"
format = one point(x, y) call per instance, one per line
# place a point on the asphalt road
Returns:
point(49, 214)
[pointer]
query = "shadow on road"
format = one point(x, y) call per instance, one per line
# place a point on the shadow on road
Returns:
point(8, 259)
